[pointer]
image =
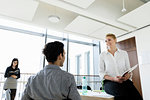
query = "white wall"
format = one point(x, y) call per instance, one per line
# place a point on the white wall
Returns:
point(143, 51)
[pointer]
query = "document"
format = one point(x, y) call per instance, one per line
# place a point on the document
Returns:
point(129, 70)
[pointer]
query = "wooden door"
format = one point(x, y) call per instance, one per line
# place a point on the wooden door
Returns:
point(129, 45)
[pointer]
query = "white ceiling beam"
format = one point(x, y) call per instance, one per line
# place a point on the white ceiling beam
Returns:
point(80, 3)
point(61, 4)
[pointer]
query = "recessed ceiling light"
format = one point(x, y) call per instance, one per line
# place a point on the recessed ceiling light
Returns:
point(54, 19)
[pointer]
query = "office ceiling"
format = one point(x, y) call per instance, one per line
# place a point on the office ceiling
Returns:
point(145, 1)
point(139, 17)
point(88, 18)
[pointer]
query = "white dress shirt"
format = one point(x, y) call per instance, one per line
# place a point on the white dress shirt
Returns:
point(113, 65)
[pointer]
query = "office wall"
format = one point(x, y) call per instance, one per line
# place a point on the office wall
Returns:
point(143, 51)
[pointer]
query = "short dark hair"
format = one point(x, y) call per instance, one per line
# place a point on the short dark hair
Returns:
point(52, 50)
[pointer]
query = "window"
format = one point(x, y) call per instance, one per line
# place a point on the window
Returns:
point(103, 46)
point(27, 48)
point(54, 36)
point(76, 55)
point(78, 66)
point(87, 64)
point(82, 54)
point(83, 60)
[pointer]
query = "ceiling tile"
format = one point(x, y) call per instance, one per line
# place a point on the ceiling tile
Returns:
point(138, 17)
point(22, 9)
point(105, 30)
point(83, 25)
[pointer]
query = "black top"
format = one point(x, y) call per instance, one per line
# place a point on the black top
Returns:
point(10, 71)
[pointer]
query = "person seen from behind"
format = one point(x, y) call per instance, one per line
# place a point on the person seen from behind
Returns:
point(52, 83)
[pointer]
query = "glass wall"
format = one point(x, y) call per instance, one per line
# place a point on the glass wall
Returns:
point(103, 46)
point(77, 59)
point(27, 48)
point(82, 60)
point(27, 42)
point(57, 36)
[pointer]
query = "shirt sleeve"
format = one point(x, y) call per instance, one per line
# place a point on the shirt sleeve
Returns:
point(102, 72)
point(73, 93)
point(7, 73)
point(18, 74)
point(25, 96)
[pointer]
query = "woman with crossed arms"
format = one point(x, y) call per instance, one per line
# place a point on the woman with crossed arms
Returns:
point(113, 63)
point(12, 73)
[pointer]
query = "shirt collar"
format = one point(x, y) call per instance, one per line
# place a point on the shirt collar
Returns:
point(118, 50)
point(52, 67)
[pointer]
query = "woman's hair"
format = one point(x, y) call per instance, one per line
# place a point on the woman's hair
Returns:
point(52, 50)
point(111, 35)
point(15, 59)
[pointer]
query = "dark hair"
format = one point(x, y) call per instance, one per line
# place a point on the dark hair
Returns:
point(15, 59)
point(52, 50)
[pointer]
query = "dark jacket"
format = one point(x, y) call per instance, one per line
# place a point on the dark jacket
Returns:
point(10, 71)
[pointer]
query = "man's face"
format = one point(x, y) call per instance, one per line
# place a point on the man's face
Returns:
point(63, 58)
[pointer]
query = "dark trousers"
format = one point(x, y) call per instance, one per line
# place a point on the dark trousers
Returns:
point(122, 91)
point(12, 93)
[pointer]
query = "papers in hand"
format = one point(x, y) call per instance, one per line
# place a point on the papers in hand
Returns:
point(129, 70)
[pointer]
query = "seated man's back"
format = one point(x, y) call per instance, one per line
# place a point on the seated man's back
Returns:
point(52, 83)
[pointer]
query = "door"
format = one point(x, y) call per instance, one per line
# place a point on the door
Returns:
point(129, 45)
